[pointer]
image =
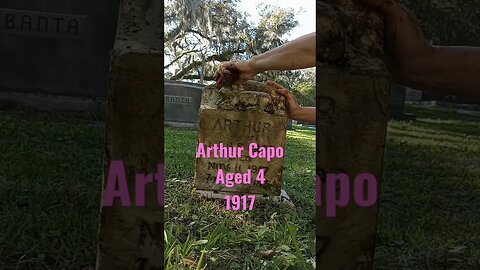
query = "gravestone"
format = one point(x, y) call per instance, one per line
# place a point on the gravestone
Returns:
point(56, 47)
point(290, 124)
point(237, 116)
point(131, 237)
point(352, 97)
point(396, 105)
point(182, 101)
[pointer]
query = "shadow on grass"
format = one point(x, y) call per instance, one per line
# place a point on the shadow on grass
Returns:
point(50, 177)
point(429, 198)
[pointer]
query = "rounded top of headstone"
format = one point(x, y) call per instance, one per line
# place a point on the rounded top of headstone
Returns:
point(251, 96)
point(351, 38)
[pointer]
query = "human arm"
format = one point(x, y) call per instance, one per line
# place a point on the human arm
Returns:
point(294, 110)
point(296, 54)
point(414, 62)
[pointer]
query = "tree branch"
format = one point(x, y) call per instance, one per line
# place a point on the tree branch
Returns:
point(178, 57)
point(220, 57)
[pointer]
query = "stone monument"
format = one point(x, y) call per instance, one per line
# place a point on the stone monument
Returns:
point(56, 48)
point(182, 101)
point(352, 96)
point(237, 116)
point(131, 237)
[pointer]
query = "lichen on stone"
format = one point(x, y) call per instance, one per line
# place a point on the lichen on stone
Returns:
point(251, 96)
point(357, 34)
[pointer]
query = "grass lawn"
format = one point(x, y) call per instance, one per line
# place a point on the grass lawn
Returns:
point(50, 178)
point(200, 231)
point(430, 196)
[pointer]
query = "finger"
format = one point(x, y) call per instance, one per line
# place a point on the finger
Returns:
point(225, 66)
point(274, 84)
point(283, 92)
point(289, 98)
point(280, 89)
point(223, 69)
point(231, 65)
point(220, 73)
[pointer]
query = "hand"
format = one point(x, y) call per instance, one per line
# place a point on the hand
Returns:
point(291, 103)
point(244, 68)
point(407, 52)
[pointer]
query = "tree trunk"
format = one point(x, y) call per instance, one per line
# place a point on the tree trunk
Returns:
point(132, 237)
point(352, 97)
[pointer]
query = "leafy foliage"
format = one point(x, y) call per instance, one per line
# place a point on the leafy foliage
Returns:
point(447, 22)
point(200, 34)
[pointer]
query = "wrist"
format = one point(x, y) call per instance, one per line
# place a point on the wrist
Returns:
point(256, 64)
point(297, 114)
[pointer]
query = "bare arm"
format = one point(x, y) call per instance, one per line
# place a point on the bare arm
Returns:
point(294, 110)
point(452, 70)
point(296, 54)
point(305, 114)
point(416, 63)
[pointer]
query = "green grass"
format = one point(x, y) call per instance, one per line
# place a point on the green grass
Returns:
point(430, 195)
point(50, 179)
point(202, 232)
point(50, 183)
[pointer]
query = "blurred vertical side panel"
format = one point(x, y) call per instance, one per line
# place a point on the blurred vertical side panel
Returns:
point(131, 237)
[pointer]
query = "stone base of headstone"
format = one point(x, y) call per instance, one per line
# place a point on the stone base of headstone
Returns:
point(181, 125)
point(283, 198)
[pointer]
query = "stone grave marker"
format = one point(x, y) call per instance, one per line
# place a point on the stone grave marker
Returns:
point(131, 237)
point(352, 97)
point(237, 116)
point(182, 101)
point(56, 47)
point(396, 105)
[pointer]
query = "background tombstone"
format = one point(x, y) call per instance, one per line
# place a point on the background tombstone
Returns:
point(131, 237)
point(352, 98)
point(56, 47)
point(396, 105)
point(290, 124)
point(397, 101)
point(182, 101)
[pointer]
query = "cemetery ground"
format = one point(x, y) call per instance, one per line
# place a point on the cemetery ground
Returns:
point(200, 231)
point(50, 177)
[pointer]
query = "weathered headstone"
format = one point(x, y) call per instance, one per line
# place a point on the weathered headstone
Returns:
point(352, 98)
point(182, 101)
point(56, 47)
point(237, 116)
point(290, 124)
point(396, 105)
point(131, 237)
